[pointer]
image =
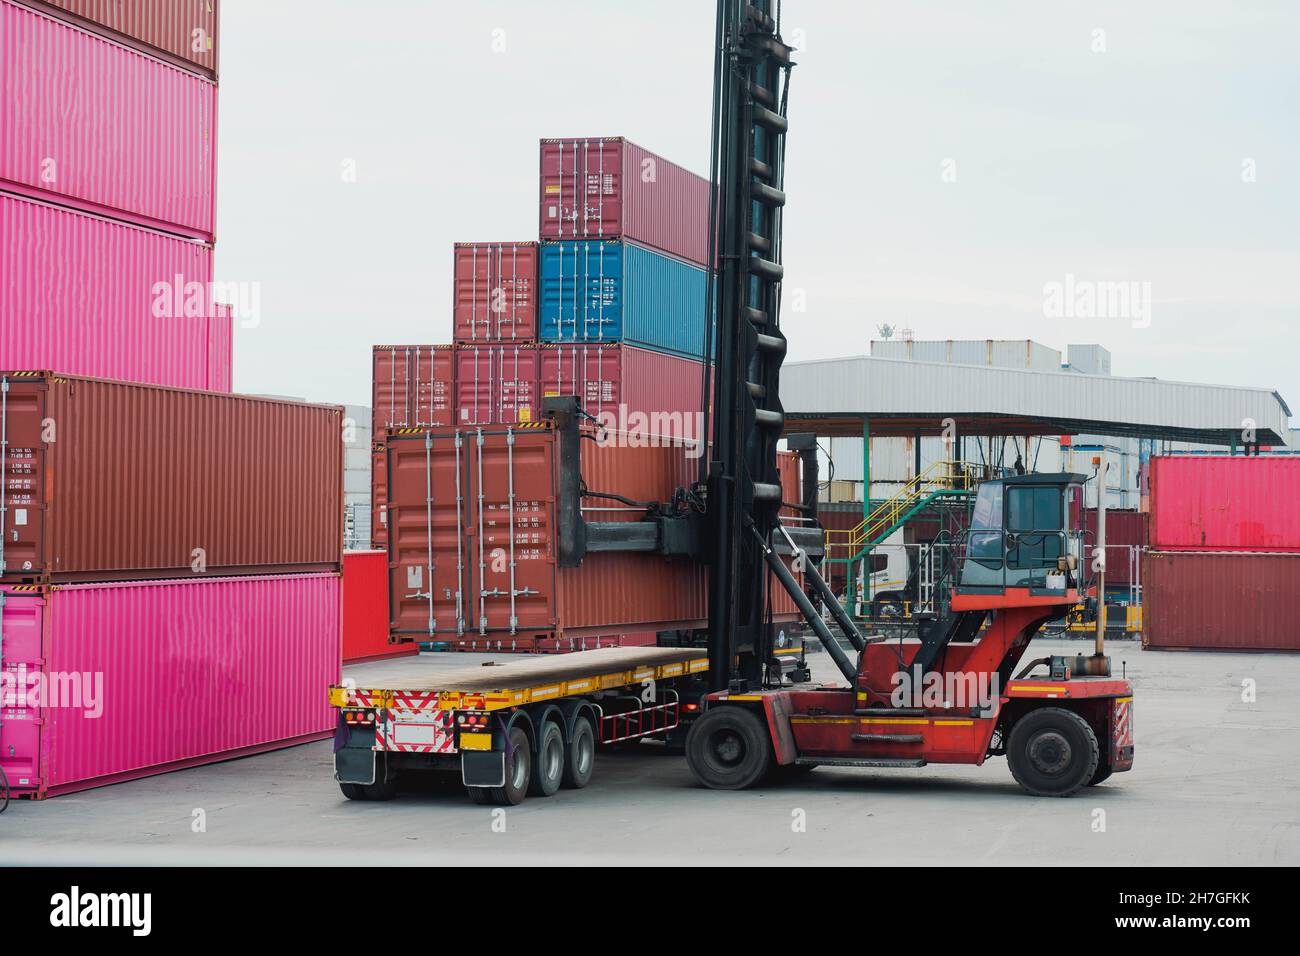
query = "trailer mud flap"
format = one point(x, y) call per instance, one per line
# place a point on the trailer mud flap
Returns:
point(354, 765)
point(483, 768)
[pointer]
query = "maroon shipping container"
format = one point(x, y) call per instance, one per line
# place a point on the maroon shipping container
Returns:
point(628, 388)
point(1231, 601)
point(609, 188)
point(378, 497)
point(472, 548)
point(494, 291)
point(413, 386)
point(183, 32)
point(1225, 503)
point(109, 481)
point(497, 384)
point(1126, 536)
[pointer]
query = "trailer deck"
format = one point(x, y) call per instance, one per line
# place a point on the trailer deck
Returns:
point(494, 685)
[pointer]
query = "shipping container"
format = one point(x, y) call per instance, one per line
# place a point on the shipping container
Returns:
point(379, 497)
point(1126, 536)
point(614, 291)
point(103, 128)
point(497, 384)
point(221, 348)
point(413, 386)
point(629, 388)
point(494, 287)
point(609, 188)
point(1231, 601)
point(111, 480)
point(365, 609)
point(183, 32)
point(1225, 503)
point(109, 682)
point(85, 295)
point(472, 549)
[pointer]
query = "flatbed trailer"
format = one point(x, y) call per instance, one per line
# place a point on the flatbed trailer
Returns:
point(512, 729)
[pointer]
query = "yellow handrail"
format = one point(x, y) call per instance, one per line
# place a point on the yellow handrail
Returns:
point(941, 475)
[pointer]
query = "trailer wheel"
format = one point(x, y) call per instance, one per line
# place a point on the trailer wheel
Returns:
point(379, 790)
point(729, 749)
point(519, 771)
point(580, 755)
point(549, 770)
point(1052, 752)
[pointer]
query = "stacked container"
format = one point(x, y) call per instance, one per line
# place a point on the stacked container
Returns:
point(169, 552)
point(1223, 568)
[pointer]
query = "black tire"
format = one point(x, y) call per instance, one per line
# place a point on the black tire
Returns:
point(484, 796)
point(729, 748)
point(379, 790)
point(548, 767)
point(1052, 752)
point(1101, 773)
point(580, 755)
point(519, 769)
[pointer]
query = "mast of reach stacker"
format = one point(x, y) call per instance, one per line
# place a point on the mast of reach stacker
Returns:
point(751, 75)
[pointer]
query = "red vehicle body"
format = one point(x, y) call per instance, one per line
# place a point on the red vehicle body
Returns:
point(494, 288)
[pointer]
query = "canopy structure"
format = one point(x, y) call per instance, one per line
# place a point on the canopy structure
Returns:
point(849, 397)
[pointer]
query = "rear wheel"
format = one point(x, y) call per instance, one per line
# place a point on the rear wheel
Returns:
point(1052, 752)
point(580, 755)
point(379, 790)
point(519, 772)
point(549, 769)
point(729, 749)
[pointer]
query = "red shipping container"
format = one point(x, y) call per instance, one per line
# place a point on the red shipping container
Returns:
point(184, 32)
point(472, 549)
point(1224, 600)
point(86, 295)
point(497, 384)
point(609, 188)
point(109, 682)
point(378, 497)
point(365, 609)
point(628, 388)
point(413, 386)
point(494, 290)
point(103, 128)
point(115, 481)
point(1225, 503)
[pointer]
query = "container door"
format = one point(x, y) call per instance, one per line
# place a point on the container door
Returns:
point(21, 661)
point(433, 388)
point(393, 381)
point(24, 430)
point(582, 188)
point(470, 524)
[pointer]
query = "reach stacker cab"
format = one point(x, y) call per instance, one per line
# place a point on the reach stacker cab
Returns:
point(953, 693)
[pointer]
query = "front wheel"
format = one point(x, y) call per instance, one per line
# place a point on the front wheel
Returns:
point(1052, 752)
point(729, 748)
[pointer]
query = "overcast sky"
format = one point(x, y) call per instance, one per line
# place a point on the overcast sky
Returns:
point(946, 162)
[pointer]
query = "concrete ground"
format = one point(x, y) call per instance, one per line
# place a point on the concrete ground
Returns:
point(1215, 783)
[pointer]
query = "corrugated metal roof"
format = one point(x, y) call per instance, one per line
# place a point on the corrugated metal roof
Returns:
point(832, 396)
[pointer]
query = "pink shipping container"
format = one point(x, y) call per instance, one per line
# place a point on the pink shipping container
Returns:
point(635, 386)
point(1225, 503)
point(1221, 600)
point(184, 32)
point(104, 128)
point(497, 384)
point(134, 679)
point(88, 296)
point(495, 292)
point(609, 188)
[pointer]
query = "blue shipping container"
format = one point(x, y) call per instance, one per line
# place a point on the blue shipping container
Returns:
point(618, 291)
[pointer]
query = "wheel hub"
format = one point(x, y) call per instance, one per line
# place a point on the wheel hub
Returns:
point(728, 748)
point(1049, 752)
